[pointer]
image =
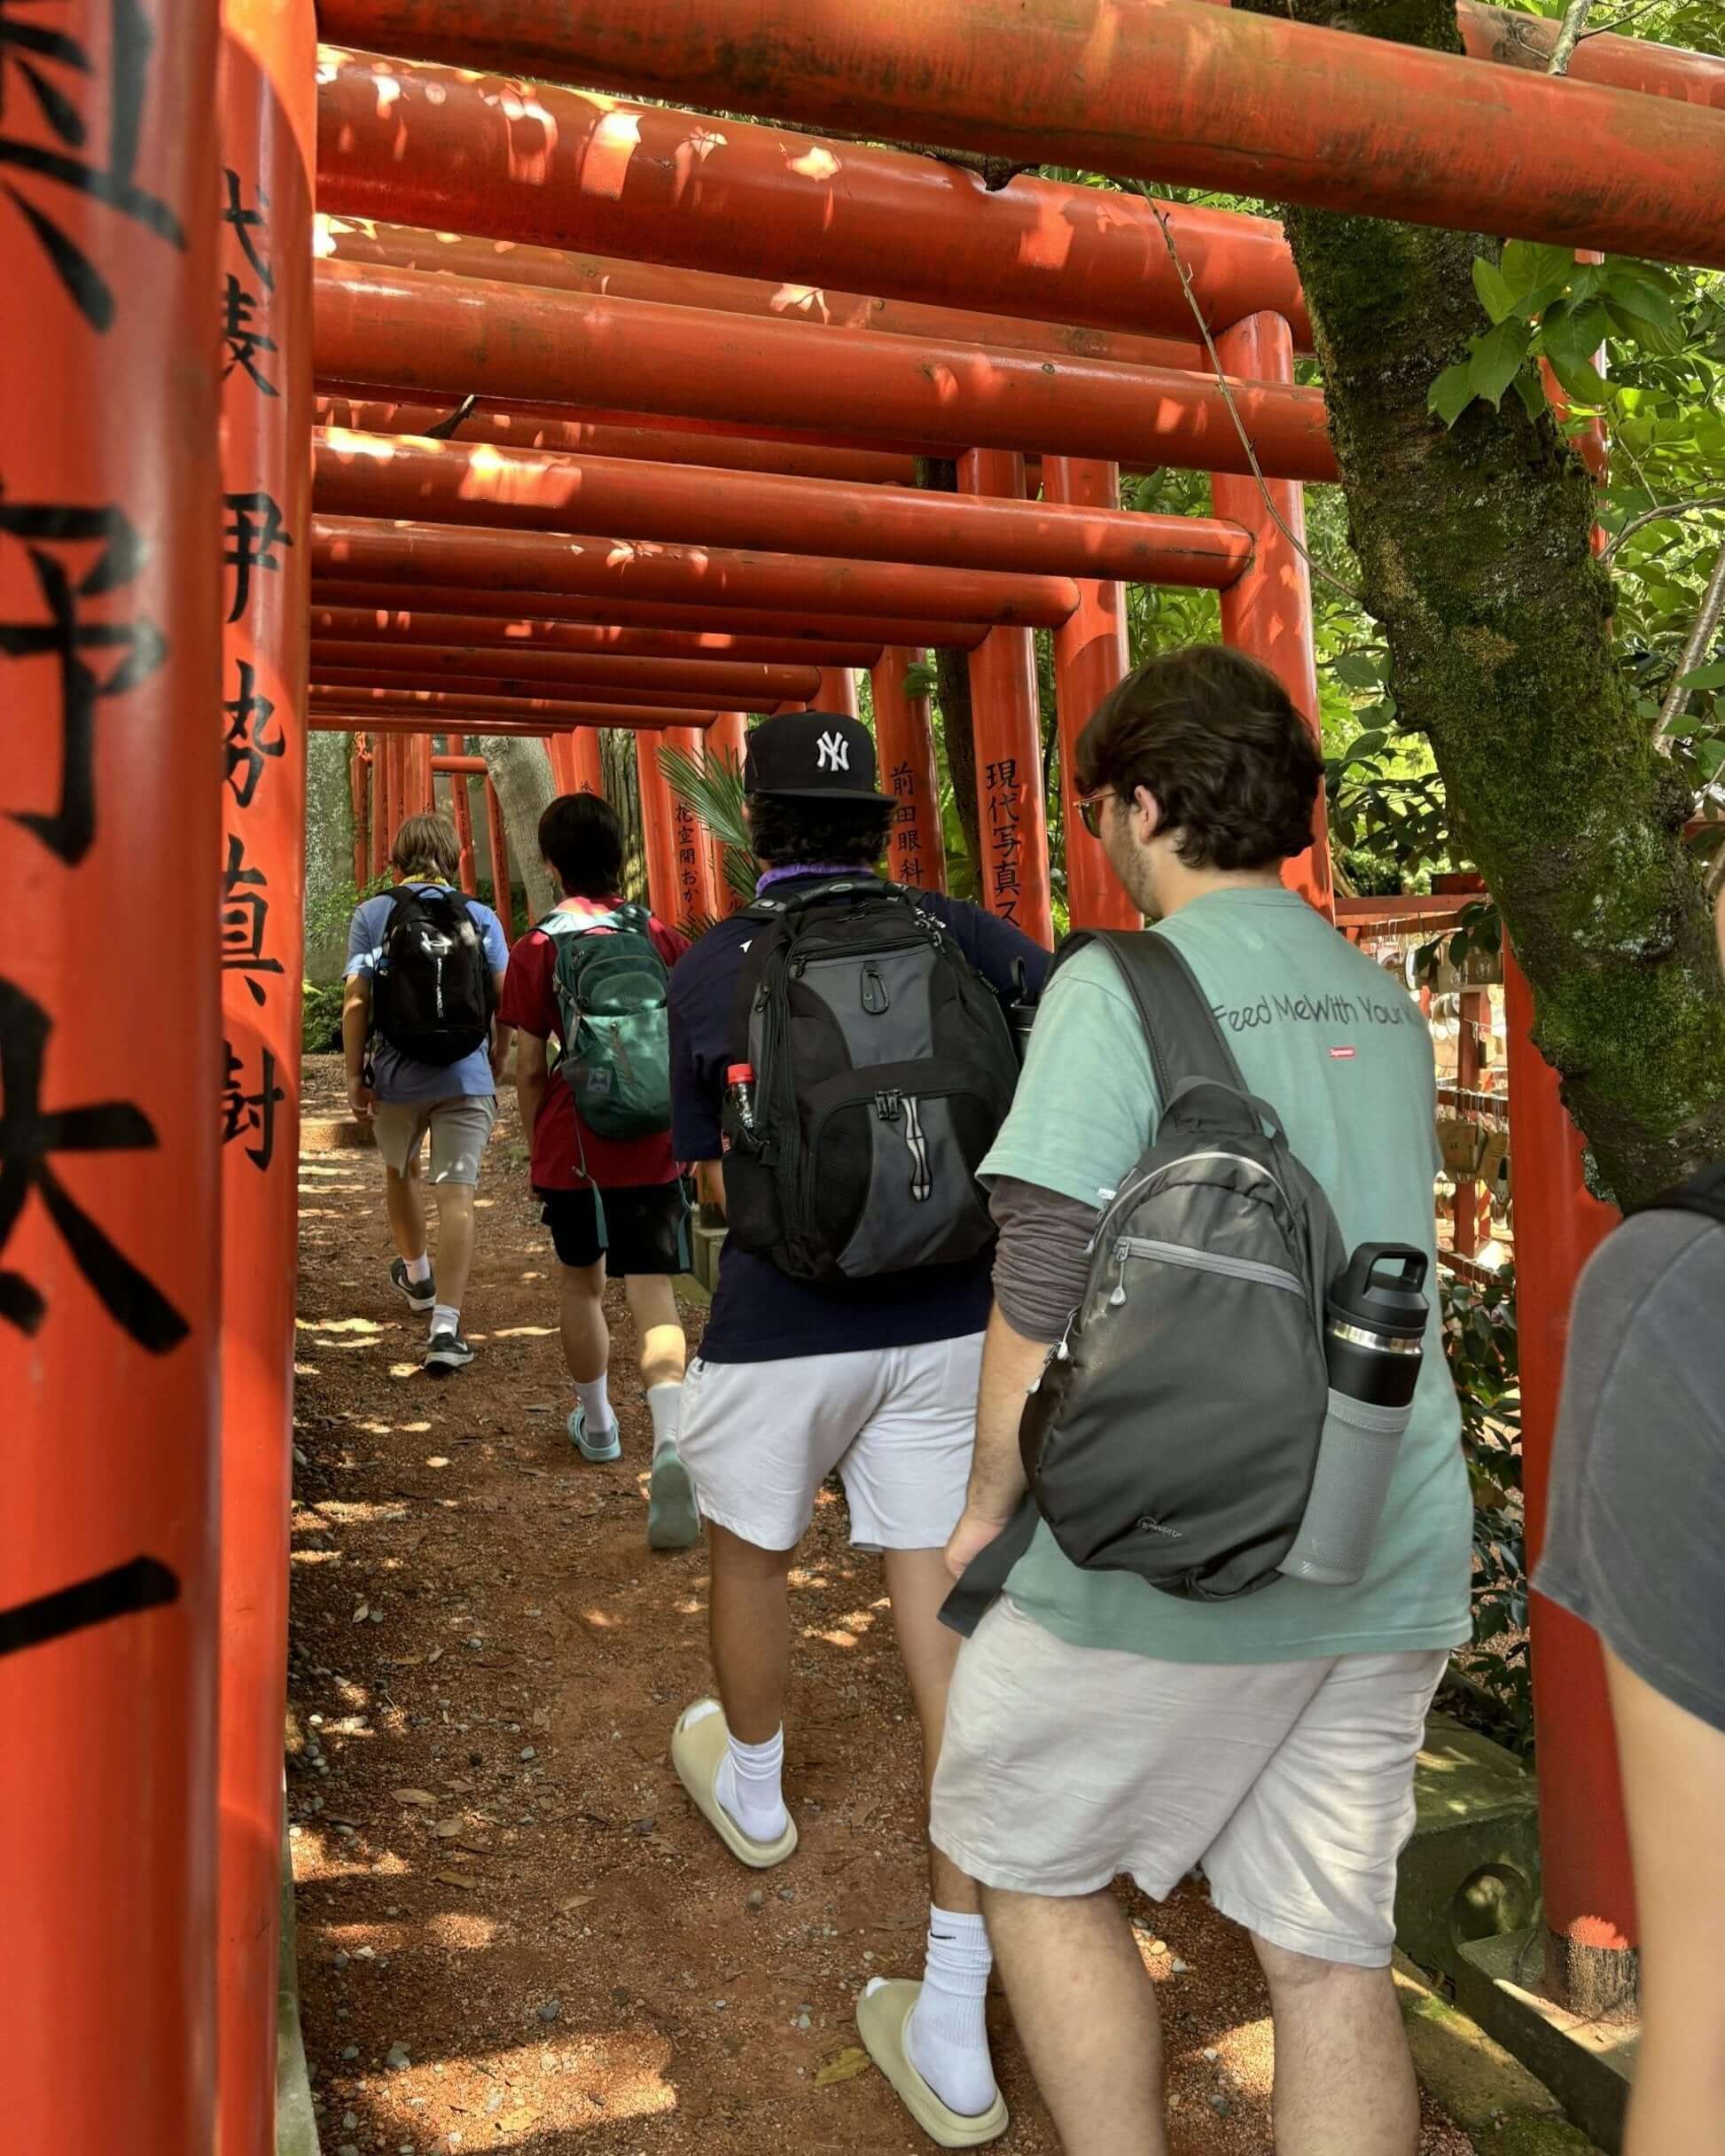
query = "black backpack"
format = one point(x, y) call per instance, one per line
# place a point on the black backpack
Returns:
point(432, 997)
point(1175, 1432)
point(883, 1068)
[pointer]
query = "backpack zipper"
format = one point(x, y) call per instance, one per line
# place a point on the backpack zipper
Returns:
point(1198, 1260)
point(1134, 1191)
point(922, 1178)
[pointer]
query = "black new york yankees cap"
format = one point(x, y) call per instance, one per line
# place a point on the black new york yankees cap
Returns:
point(812, 755)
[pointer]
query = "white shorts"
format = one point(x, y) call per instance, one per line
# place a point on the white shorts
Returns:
point(899, 1424)
point(1291, 1783)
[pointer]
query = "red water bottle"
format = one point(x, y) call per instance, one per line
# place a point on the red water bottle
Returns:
point(739, 1091)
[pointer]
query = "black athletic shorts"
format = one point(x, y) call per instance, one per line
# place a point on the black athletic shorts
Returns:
point(643, 1230)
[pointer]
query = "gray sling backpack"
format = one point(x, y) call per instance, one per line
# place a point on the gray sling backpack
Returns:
point(1175, 1431)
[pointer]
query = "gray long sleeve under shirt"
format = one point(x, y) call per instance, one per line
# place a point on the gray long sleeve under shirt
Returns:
point(1044, 1256)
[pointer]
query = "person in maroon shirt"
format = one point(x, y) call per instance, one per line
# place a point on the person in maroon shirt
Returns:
point(614, 1207)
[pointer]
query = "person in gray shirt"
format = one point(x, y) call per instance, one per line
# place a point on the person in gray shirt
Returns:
point(1635, 1547)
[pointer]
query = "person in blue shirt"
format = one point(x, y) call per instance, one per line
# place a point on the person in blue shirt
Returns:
point(405, 1101)
point(875, 1379)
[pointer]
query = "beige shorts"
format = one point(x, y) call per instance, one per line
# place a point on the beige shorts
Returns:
point(459, 1130)
point(899, 1424)
point(1291, 1783)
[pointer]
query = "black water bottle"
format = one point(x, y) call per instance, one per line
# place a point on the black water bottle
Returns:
point(1374, 1331)
point(1374, 1340)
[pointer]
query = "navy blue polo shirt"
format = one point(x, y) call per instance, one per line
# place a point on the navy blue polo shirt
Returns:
point(759, 1316)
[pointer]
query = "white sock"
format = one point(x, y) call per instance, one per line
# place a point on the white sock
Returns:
point(596, 1400)
point(418, 1269)
point(748, 1787)
point(945, 2036)
point(665, 1405)
point(445, 1318)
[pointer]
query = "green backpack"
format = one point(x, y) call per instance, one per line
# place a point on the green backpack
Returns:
point(612, 986)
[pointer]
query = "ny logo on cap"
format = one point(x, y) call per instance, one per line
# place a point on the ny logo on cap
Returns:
point(835, 754)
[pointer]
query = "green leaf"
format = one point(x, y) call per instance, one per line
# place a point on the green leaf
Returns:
point(1497, 360)
point(1367, 746)
point(1574, 334)
point(1661, 334)
point(1705, 678)
point(1529, 387)
point(1709, 755)
point(1452, 393)
point(1495, 294)
point(1358, 671)
point(1518, 267)
point(1582, 382)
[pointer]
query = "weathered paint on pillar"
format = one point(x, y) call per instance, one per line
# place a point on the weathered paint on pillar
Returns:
point(269, 124)
point(1007, 722)
point(1090, 658)
point(359, 788)
point(904, 737)
point(461, 804)
point(503, 896)
point(110, 1049)
point(658, 841)
point(726, 743)
point(1267, 614)
point(838, 692)
point(1584, 1850)
point(575, 762)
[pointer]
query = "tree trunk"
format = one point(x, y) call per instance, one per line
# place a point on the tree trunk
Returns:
point(328, 854)
point(521, 772)
point(940, 475)
point(1474, 546)
point(622, 789)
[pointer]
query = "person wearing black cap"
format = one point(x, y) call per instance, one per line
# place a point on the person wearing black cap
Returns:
point(874, 1376)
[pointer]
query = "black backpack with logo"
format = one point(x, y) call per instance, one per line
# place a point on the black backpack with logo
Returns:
point(432, 997)
point(883, 1068)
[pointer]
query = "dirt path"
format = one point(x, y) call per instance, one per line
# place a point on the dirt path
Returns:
point(514, 1932)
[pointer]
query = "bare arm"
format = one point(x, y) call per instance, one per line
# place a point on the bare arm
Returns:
point(533, 1075)
point(355, 1031)
point(710, 1184)
point(501, 1034)
point(1674, 1788)
point(1011, 1365)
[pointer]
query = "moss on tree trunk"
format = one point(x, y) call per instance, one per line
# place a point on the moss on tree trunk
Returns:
point(1474, 546)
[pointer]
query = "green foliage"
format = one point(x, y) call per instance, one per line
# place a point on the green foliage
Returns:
point(1479, 1339)
point(320, 1016)
point(327, 919)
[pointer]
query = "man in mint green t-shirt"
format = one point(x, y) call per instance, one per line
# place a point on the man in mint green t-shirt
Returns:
point(1096, 1726)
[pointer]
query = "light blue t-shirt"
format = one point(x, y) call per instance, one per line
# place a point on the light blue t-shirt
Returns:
point(1342, 1053)
point(398, 1077)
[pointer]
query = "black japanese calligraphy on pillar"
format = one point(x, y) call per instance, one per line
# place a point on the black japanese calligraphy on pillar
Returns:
point(47, 158)
point(245, 919)
point(251, 744)
point(244, 341)
point(249, 226)
point(124, 1590)
point(31, 1135)
point(80, 557)
point(1005, 840)
point(256, 536)
point(244, 1113)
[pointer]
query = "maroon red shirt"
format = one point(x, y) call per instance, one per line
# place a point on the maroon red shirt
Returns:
point(562, 1143)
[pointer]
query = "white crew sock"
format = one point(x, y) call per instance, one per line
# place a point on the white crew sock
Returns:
point(596, 1400)
point(945, 2036)
point(418, 1269)
point(445, 1318)
point(748, 1787)
point(665, 1405)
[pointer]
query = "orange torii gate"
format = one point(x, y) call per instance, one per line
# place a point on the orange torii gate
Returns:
point(108, 1630)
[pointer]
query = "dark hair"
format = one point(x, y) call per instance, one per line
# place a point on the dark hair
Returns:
point(1214, 737)
point(579, 835)
point(788, 834)
point(427, 845)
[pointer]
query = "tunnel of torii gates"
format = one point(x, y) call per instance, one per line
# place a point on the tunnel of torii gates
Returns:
point(444, 475)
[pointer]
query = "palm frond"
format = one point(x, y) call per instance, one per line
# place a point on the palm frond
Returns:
point(712, 786)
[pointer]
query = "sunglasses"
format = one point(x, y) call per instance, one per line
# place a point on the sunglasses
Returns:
point(1090, 808)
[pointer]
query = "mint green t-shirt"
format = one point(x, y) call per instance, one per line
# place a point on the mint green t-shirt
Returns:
point(1342, 1053)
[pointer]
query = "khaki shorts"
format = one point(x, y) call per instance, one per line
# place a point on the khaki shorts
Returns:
point(1291, 1783)
point(899, 1425)
point(459, 1130)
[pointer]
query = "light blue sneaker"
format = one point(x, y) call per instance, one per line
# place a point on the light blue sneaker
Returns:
point(609, 1447)
point(674, 1518)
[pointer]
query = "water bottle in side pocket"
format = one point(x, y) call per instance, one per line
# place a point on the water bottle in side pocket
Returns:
point(1374, 1339)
